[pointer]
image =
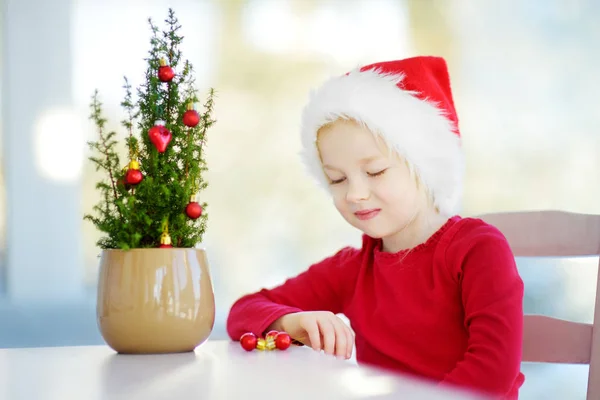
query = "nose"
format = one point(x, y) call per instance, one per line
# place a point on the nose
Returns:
point(358, 190)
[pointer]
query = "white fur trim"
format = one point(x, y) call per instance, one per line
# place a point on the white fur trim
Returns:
point(417, 129)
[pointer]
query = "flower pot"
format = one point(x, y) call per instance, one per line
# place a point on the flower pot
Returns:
point(155, 300)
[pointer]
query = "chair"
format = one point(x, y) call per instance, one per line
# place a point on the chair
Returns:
point(557, 234)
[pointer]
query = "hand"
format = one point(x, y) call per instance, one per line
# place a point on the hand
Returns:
point(321, 330)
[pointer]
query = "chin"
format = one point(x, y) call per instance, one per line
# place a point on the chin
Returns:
point(371, 231)
point(375, 234)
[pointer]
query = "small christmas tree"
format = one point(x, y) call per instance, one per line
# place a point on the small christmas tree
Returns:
point(152, 200)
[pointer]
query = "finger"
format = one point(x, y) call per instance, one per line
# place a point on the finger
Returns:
point(341, 339)
point(328, 332)
point(349, 335)
point(352, 340)
point(350, 345)
point(312, 329)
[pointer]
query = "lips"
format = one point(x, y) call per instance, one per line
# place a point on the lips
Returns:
point(364, 215)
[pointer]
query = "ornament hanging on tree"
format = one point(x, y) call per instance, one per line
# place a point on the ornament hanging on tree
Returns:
point(133, 176)
point(193, 209)
point(160, 136)
point(165, 72)
point(191, 118)
point(165, 241)
point(165, 238)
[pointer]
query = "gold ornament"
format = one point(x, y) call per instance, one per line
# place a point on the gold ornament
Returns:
point(133, 164)
point(261, 344)
point(165, 238)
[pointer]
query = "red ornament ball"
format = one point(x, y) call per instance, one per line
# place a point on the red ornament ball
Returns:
point(283, 341)
point(272, 334)
point(248, 341)
point(165, 73)
point(193, 210)
point(133, 176)
point(191, 118)
point(160, 136)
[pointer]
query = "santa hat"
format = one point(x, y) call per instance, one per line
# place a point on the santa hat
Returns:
point(409, 104)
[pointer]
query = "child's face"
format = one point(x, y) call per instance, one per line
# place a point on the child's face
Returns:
point(371, 187)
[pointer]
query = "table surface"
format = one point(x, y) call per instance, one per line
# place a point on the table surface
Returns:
point(215, 370)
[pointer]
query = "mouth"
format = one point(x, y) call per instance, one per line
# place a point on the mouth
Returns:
point(367, 214)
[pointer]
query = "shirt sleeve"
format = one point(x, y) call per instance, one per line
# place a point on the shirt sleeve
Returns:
point(325, 286)
point(492, 296)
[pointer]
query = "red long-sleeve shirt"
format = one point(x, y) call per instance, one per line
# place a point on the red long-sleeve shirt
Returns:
point(450, 309)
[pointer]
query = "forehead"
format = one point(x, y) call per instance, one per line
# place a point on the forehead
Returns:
point(344, 138)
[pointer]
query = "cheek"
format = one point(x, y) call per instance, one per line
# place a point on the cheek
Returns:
point(397, 190)
point(339, 200)
point(338, 197)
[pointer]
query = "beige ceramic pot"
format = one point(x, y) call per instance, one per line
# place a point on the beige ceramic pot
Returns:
point(155, 300)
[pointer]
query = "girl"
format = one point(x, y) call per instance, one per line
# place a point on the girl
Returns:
point(429, 293)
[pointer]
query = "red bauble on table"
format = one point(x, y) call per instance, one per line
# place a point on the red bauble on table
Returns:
point(272, 340)
point(160, 136)
point(165, 72)
point(283, 341)
point(248, 341)
point(272, 334)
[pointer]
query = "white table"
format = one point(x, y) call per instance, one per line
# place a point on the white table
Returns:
point(216, 370)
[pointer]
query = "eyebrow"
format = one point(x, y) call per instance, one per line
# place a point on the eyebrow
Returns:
point(365, 160)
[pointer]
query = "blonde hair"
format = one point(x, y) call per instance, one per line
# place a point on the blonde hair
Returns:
point(392, 153)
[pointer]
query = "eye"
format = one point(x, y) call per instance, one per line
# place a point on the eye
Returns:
point(377, 173)
point(336, 181)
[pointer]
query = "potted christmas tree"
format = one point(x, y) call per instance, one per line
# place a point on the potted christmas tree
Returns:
point(155, 293)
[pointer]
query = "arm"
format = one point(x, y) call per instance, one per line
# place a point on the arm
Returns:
point(323, 287)
point(492, 296)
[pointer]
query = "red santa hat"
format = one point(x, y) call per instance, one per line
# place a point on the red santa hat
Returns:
point(409, 104)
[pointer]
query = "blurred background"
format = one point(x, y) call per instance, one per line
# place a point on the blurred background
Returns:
point(525, 82)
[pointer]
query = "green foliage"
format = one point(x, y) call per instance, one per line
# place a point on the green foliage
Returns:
point(136, 217)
